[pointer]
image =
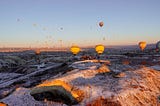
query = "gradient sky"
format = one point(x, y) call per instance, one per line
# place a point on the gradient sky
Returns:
point(52, 23)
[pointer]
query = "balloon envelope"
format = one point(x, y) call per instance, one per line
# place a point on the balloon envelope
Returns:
point(37, 52)
point(142, 45)
point(101, 24)
point(18, 19)
point(158, 45)
point(75, 49)
point(34, 25)
point(99, 49)
point(104, 38)
point(61, 28)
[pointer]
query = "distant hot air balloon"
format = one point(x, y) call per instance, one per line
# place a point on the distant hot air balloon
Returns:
point(60, 40)
point(37, 52)
point(75, 49)
point(142, 45)
point(101, 24)
point(34, 25)
point(44, 29)
point(104, 38)
point(18, 20)
point(99, 49)
point(61, 28)
point(50, 37)
point(158, 45)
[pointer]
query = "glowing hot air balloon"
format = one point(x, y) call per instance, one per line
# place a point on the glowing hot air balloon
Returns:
point(75, 49)
point(101, 24)
point(44, 29)
point(34, 25)
point(104, 38)
point(142, 45)
point(99, 49)
point(158, 45)
point(61, 28)
point(37, 52)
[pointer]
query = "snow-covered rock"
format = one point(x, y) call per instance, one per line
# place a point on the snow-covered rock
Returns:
point(8, 76)
point(139, 87)
point(88, 64)
point(21, 97)
point(156, 67)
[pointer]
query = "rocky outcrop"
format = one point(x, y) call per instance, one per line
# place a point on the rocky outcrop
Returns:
point(58, 91)
point(105, 88)
point(95, 85)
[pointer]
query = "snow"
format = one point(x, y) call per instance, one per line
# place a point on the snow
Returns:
point(21, 97)
point(95, 84)
point(140, 57)
point(86, 77)
point(116, 71)
point(29, 75)
point(156, 67)
point(8, 76)
point(88, 64)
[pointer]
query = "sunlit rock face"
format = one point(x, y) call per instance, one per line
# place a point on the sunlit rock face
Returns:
point(3, 104)
point(58, 91)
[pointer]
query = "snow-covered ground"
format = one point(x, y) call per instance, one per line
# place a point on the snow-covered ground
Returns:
point(156, 67)
point(97, 80)
point(8, 76)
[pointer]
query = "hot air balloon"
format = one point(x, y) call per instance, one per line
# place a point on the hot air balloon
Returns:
point(99, 49)
point(104, 38)
point(61, 28)
point(75, 49)
point(101, 24)
point(34, 25)
point(158, 45)
point(44, 29)
point(142, 45)
point(18, 20)
point(37, 52)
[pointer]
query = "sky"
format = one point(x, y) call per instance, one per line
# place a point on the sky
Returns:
point(56, 23)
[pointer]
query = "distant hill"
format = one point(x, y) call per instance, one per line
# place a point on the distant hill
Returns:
point(126, 47)
point(149, 46)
